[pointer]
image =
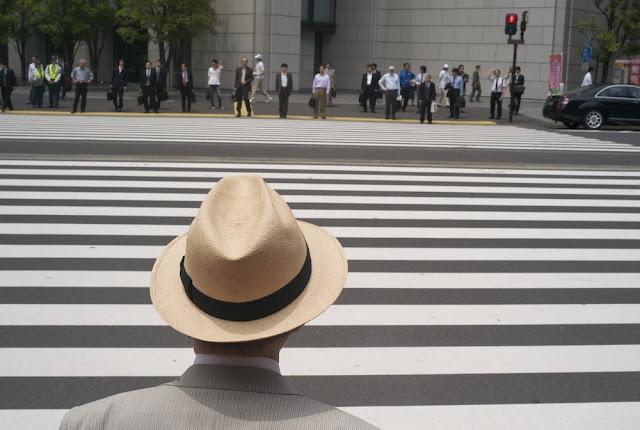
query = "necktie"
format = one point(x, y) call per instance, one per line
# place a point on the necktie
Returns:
point(496, 90)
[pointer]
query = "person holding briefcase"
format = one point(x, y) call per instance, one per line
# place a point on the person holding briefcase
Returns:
point(185, 80)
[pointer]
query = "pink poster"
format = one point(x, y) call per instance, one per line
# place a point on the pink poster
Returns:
point(555, 71)
point(634, 71)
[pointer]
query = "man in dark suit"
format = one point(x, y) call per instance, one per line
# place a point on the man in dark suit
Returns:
point(518, 90)
point(244, 77)
point(378, 76)
point(161, 82)
point(369, 87)
point(119, 82)
point(284, 86)
point(426, 97)
point(148, 85)
point(7, 83)
point(185, 83)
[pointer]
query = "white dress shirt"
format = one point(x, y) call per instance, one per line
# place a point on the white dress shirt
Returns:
point(497, 84)
point(587, 81)
point(284, 80)
point(322, 81)
point(443, 78)
point(390, 82)
point(214, 75)
point(369, 78)
point(32, 68)
point(258, 73)
point(227, 360)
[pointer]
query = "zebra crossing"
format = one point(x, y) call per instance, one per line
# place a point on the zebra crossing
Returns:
point(476, 298)
point(344, 133)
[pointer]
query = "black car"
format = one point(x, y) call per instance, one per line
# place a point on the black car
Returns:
point(595, 106)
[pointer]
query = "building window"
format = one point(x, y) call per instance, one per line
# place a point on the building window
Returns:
point(319, 12)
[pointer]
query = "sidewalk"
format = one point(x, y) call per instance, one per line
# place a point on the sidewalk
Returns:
point(345, 107)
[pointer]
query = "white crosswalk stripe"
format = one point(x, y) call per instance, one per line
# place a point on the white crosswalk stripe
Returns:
point(343, 133)
point(512, 295)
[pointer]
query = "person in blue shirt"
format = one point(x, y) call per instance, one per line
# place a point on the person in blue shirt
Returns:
point(457, 87)
point(406, 84)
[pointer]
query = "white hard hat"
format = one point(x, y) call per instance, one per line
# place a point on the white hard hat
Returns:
point(446, 66)
point(258, 56)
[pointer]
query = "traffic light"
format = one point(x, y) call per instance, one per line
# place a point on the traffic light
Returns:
point(511, 24)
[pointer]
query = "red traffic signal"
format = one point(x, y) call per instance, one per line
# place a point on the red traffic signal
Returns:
point(511, 24)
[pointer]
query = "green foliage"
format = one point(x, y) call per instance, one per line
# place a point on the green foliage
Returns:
point(18, 18)
point(65, 22)
point(165, 22)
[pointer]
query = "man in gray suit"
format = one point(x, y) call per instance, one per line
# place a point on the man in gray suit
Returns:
point(244, 278)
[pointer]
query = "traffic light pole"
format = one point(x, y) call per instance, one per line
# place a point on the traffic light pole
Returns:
point(512, 82)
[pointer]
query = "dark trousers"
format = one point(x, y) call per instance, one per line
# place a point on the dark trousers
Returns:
point(149, 98)
point(156, 97)
point(185, 95)
point(454, 103)
point(496, 102)
point(407, 93)
point(242, 94)
point(390, 104)
point(215, 94)
point(476, 91)
point(37, 93)
point(5, 93)
point(118, 94)
point(515, 103)
point(54, 94)
point(283, 103)
point(81, 92)
point(369, 97)
point(425, 110)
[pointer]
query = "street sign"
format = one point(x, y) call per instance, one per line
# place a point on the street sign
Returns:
point(555, 73)
point(587, 54)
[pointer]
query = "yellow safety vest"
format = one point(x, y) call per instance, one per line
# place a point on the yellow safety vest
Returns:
point(39, 74)
point(54, 70)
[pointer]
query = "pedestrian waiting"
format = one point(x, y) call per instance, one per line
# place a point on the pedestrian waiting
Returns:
point(53, 76)
point(321, 87)
point(390, 84)
point(36, 81)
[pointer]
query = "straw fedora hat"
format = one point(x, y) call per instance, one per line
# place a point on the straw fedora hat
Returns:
point(246, 269)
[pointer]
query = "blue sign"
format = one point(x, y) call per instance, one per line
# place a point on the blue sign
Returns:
point(587, 53)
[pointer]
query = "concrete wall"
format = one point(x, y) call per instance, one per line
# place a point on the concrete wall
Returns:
point(434, 32)
point(246, 28)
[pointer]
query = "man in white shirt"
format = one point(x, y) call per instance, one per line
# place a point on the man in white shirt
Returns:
point(213, 80)
point(32, 68)
point(390, 84)
point(443, 80)
point(258, 77)
point(497, 88)
point(284, 86)
point(587, 81)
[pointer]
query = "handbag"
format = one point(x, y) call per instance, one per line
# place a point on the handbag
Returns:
point(164, 95)
point(434, 107)
point(519, 89)
point(140, 100)
point(312, 102)
point(109, 96)
point(333, 92)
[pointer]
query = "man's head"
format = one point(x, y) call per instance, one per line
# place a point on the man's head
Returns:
point(321, 69)
point(392, 70)
point(375, 66)
point(454, 72)
point(82, 63)
point(54, 60)
point(284, 67)
point(214, 63)
point(423, 69)
point(478, 68)
point(258, 58)
point(445, 67)
point(247, 273)
point(370, 68)
point(517, 70)
point(34, 59)
point(147, 65)
point(121, 63)
point(428, 78)
point(158, 63)
point(244, 62)
point(591, 69)
point(406, 66)
point(461, 68)
point(496, 72)
point(183, 67)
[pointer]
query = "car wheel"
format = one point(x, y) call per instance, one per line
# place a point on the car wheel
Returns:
point(593, 120)
point(570, 124)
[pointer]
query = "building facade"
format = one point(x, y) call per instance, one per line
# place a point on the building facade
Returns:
point(352, 33)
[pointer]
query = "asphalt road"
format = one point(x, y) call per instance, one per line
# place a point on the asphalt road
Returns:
point(494, 270)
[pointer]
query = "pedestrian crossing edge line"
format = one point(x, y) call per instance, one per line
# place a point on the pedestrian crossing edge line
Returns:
point(230, 115)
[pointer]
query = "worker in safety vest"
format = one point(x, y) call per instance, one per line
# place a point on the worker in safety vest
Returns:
point(53, 75)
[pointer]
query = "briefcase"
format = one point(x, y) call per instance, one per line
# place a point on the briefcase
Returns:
point(140, 100)
point(109, 96)
point(164, 95)
point(312, 102)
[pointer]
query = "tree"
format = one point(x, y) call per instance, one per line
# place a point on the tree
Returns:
point(170, 24)
point(99, 21)
point(622, 32)
point(18, 19)
point(65, 22)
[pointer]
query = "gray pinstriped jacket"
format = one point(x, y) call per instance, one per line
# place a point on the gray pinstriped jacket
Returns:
point(212, 397)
